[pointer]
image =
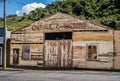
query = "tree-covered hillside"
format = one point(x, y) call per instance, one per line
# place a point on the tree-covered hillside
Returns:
point(106, 12)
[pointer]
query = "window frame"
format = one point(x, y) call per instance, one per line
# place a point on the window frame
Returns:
point(29, 52)
point(96, 45)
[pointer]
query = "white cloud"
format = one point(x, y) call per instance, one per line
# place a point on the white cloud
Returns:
point(29, 7)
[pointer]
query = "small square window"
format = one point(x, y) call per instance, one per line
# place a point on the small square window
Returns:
point(92, 52)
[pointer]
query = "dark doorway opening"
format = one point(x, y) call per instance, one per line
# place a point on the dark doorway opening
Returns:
point(58, 35)
point(15, 56)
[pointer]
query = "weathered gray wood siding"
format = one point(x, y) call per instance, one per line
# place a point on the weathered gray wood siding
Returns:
point(58, 53)
point(64, 53)
point(104, 43)
point(35, 56)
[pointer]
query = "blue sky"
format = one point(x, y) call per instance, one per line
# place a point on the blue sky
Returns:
point(20, 6)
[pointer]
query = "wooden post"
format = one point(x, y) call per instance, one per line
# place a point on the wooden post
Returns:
point(4, 66)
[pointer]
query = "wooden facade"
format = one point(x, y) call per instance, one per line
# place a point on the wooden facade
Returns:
point(61, 40)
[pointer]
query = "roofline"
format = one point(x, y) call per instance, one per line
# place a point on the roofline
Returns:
point(21, 28)
point(64, 14)
point(37, 21)
point(56, 13)
point(89, 21)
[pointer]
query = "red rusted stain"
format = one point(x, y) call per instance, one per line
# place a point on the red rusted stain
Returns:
point(37, 27)
point(76, 25)
point(58, 53)
point(46, 26)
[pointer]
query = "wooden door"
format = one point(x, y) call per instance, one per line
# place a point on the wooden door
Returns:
point(15, 56)
point(58, 53)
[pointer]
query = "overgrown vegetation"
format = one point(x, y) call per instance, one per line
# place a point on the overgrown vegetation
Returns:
point(106, 12)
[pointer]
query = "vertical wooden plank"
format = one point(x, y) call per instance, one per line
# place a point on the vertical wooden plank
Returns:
point(58, 53)
point(66, 53)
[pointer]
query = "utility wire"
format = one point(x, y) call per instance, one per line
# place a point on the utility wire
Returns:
point(15, 1)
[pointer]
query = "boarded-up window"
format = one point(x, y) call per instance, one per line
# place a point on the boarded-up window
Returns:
point(92, 52)
point(36, 52)
point(36, 57)
point(26, 52)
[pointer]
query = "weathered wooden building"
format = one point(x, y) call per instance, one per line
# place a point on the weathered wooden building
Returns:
point(61, 40)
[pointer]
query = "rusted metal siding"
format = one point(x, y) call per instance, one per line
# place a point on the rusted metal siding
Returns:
point(117, 49)
point(58, 53)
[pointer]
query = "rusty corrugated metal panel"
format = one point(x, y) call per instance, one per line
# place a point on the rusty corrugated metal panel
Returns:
point(58, 53)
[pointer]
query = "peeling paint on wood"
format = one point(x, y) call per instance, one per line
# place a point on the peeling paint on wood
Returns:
point(79, 55)
point(65, 53)
point(27, 38)
point(58, 53)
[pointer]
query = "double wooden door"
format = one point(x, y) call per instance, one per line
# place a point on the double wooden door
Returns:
point(58, 53)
